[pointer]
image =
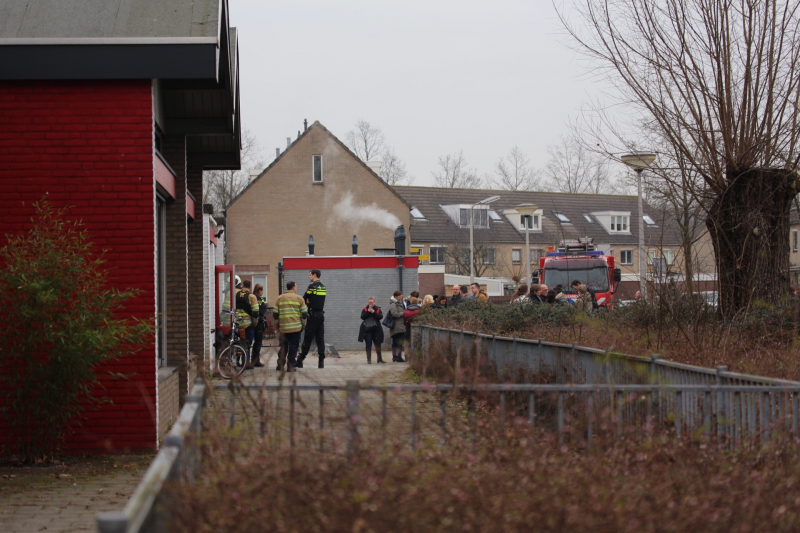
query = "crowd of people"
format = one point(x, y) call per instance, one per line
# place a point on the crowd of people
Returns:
point(542, 294)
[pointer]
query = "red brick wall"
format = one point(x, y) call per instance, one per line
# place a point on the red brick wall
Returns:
point(89, 144)
point(432, 284)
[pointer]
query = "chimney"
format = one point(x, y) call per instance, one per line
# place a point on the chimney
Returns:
point(310, 245)
point(298, 134)
point(375, 166)
point(288, 141)
point(305, 124)
point(277, 153)
point(355, 245)
point(400, 241)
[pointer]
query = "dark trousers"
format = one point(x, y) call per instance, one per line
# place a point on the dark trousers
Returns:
point(315, 329)
point(370, 338)
point(258, 339)
point(290, 342)
point(397, 340)
point(249, 334)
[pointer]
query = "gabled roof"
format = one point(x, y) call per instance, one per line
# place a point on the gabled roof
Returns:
point(438, 226)
point(317, 125)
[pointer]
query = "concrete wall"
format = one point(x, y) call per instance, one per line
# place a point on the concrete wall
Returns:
point(348, 291)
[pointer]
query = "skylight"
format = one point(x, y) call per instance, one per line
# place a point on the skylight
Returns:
point(588, 218)
point(561, 217)
point(649, 221)
point(417, 214)
point(494, 215)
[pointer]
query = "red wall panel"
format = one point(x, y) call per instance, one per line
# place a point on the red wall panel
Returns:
point(89, 145)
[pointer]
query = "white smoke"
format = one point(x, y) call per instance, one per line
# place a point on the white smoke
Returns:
point(359, 214)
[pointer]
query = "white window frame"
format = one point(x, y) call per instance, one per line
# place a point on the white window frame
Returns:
point(622, 254)
point(620, 224)
point(494, 255)
point(518, 251)
point(669, 255)
point(437, 247)
point(652, 254)
point(541, 254)
point(536, 223)
point(564, 219)
point(321, 169)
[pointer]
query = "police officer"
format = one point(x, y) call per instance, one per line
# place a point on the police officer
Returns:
point(315, 328)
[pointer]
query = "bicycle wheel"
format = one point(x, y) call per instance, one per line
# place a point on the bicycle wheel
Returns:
point(231, 361)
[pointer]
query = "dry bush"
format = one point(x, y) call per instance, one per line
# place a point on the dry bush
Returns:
point(514, 480)
point(762, 342)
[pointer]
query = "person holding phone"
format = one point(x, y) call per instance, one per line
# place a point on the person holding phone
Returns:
point(371, 330)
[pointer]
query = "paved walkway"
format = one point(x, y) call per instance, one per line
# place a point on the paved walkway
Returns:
point(66, 498)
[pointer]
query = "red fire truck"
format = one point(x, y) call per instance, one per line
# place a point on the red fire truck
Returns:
point(576, 259)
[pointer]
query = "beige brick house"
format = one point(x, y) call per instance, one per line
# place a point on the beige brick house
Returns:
point(316, 187)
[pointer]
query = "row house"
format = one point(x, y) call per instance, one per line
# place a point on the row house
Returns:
point(440, 230)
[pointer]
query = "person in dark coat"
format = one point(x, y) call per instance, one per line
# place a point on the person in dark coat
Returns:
point(371, 330)
point(409, 315)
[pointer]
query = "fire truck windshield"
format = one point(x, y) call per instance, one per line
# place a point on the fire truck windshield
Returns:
point(595, 278)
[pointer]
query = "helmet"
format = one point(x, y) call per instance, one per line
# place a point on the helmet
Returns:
point(237, 281)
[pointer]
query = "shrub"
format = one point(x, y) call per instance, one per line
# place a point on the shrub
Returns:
point(58, 321)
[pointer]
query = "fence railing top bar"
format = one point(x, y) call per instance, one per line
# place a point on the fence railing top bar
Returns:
point(141, 503)
point(279, 386)
point(532, 387)
point(636, 358)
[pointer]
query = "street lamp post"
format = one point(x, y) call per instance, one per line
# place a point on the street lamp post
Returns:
point(471, 245)
point(526, 211)
point(639, 161)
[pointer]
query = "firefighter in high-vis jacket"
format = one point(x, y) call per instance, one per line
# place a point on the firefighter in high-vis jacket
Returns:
point(260, 325)
point(246, 311)
point(315, 328)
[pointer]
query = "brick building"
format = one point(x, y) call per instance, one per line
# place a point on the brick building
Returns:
point(318, 187)
point(116, 108)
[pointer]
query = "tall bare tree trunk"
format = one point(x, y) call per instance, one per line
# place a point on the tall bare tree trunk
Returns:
point(749, 228)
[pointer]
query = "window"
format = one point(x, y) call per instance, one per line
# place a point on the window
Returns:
point(317, 169)
point(480, 217)
point(416, 249)
point(669, 256)
point(516, 255)
point(488, 256)
point(416, 214)
point(626, 257)
point(536, 253)
point(561, 217)
point(794, 240)
point(532, 222)
point(495, 216)
point(651, 254)
point(649, 221)
point(588, 218)
point(619, 223)
point(437, 254)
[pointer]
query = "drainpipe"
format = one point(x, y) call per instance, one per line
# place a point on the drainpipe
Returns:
point(280, 278)
point(310, 245)
point(400, 251)
point(355, 245)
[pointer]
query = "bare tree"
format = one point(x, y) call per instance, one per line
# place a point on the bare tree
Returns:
point(717, 79)
point(575, 169)
point(513, 172)
point(393, 170)
point(366, 141)
point(220, 187)
point(369, 143)
point(454, 173)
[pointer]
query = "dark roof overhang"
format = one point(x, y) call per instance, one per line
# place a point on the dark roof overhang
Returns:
point(198, 75)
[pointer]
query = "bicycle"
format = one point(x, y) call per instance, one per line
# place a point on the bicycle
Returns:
point(234, 359)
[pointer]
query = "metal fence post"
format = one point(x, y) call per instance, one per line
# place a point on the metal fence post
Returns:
point(112, 523)
point(352, 389)
point(721, 399)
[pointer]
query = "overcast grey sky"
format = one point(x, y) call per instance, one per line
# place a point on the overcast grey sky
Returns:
point(436, 76)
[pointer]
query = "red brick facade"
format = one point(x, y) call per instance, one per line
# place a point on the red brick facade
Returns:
point(89, 145)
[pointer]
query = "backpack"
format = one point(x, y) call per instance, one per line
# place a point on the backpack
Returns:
point(242, 300)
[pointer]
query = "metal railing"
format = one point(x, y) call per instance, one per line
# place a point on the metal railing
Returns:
point(732, 414)
point(570, 363)
point(177, 460)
